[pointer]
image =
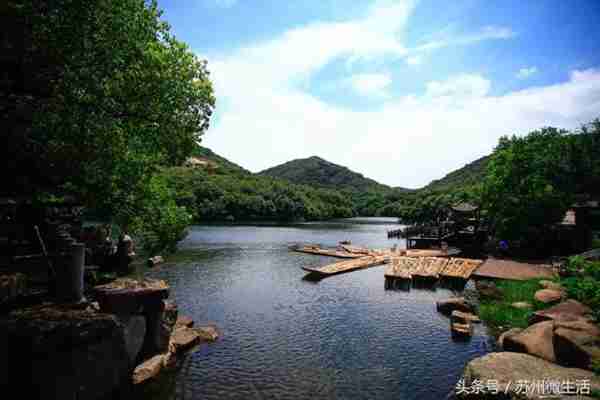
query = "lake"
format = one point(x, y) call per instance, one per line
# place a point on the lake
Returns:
point(284, 337)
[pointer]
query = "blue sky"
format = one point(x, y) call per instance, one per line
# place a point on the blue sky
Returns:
point(401, 91)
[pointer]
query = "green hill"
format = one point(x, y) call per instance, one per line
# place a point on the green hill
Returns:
point(317, 172)
point(223, 164)
point(468, 175)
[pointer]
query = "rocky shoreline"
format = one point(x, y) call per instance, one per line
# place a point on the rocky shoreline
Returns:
point(92, 350)
point(552, 358)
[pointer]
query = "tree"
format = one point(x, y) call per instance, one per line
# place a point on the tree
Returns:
point(528, 184)
point(99, 96)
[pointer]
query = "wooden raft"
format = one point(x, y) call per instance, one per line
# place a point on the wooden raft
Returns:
point(355, 249)
point(430, 267)
point(432, 253)
point(327, 252)
point(460, 268)
point(347, 266)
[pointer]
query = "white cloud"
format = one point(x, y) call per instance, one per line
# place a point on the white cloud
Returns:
point(487, 33)
point(525, 73)
point(266, 116)
point(459, 87)
point(370, 84)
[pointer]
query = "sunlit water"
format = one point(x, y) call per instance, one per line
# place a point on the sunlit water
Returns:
point(284, 337)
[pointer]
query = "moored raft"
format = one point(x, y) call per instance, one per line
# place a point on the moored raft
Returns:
point(347, 266)
point(313, 249)
point(460, 268)
point(430, 267)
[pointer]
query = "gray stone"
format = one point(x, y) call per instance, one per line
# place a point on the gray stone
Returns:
point(535, 340)
point(506, 368)
point(68, 353)
point(134, 332)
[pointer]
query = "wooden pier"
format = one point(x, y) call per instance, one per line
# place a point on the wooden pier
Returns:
point(347, 266)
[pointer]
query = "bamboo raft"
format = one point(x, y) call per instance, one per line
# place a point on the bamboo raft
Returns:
point(408, 268)
point(355, 249)
point(432, 253)
point(347, 266)
point(327, 252)
point(460, 268)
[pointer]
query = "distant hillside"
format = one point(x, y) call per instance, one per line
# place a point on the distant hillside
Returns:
point(222, 163)
point(466, 176)
point(317, 172)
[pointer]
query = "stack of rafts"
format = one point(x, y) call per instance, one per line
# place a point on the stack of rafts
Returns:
point(430, 267)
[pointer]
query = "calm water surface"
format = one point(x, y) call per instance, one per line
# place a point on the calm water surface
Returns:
point(285, 337)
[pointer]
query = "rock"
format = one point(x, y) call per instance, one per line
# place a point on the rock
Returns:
point(184, 321)
point(130, 296)
point(507, 368)
point(506, 334)
point(548, 296)
point(521, 305)
point(551, 285)
point(459, 329)
point(12, 286)
point(569, 310)
point(208, 333)
point(577, 343)
point(134, 331)
point(488, 290)
point(160, 322)
point(184, 338)
point(463, 317)
point(154, 261)
point(68, 353)
point(148, 369)
point(535, 340)
point(457, 303)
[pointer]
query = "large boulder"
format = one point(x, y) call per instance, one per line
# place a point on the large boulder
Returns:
point(456, 303)
point(130, 296)
point(504, 335)
point(506, 369)
point(577, 343)
point(546, 284)
point(535, 340)
point(63, 353)
point(134, 331)
point(548, 296)
point(569, 310)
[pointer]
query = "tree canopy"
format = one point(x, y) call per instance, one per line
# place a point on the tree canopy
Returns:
point(99, 95)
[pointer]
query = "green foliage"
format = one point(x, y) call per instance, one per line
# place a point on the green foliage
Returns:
point(223, 164)
point(467, 176)
point(500, 313)
point(106, 96)
point(583, 282)
point(526, 185)
point(244, 197)
point(532, 180)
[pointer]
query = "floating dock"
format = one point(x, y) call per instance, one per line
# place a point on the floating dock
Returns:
point(460, 268)
point(347, 266)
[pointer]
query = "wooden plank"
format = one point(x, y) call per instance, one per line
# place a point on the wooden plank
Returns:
point(326, 252)
point(432, 253)
point(355, 249)
point(401, 267)
point(460, 267)
point(430, 267)
point(347, 266)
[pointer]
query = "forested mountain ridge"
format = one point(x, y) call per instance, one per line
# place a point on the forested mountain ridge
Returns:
point(223, 163)
point(467, 175)
point(315, 171)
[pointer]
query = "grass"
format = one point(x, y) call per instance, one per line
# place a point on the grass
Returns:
point(500, 314)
